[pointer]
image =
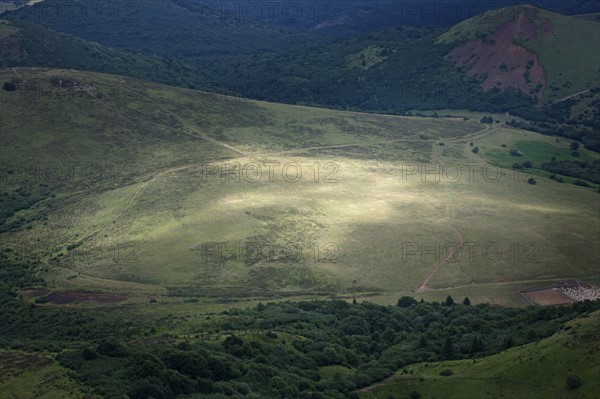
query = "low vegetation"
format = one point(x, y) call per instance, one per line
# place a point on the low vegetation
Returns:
point(273, 350)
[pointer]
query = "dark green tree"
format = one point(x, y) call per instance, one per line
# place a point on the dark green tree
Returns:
point(476, 345)
point(448, 349)
point(574, 145)
point(406, 301)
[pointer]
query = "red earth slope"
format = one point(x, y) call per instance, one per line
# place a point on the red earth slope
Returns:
point(502, 61)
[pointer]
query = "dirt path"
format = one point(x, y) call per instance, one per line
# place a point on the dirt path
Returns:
point(573, 95)
point(18, 74)
point(436, 158)
point(134, 196)
point(438, 152)
point(374, 386)
point(547, 280)
point(218, 143)
point(156, 177)
point(461, 240)
point(326, 147)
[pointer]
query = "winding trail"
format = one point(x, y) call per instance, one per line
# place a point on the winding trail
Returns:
point(572, 95)
point(335, 146)
point(158, 176)
point(134, 196)
point(437, 159)
point(461, 240)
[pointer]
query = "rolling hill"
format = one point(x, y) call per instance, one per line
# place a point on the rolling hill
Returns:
point(529, 49)
point(483, 64)
point(537, 370)
point(413, 213)
point(124, 186)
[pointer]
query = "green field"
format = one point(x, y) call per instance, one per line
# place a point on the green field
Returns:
point(360, 220)
point(537, 149)
point(537, 370)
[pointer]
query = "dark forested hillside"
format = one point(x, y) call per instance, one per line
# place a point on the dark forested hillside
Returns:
point(25, 44)
point(289, 59)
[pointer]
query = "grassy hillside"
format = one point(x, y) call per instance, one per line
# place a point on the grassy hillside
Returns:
point(589, 17)
point(36, 375)
point(537, 370)
point(124, 186)
point(539, 152)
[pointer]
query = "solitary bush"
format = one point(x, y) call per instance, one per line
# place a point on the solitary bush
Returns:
point(475, 150)
point(271, 334)
point(574, 145)
point(111, 348)
point(531, 181)
point(573, 381)
point(527, 164)
point(446, 373)
point(9, 86)
point(89, 354)
point(414, 395)
point(514, 152)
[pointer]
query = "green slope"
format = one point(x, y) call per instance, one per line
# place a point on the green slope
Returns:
point(114, 183)
point(590, 17)
point(537, 370)
point(37, 375)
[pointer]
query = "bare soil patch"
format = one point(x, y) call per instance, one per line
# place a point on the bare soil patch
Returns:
point(35, 293)
point(68, 297)
point(547, 297)
point(502, 60)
